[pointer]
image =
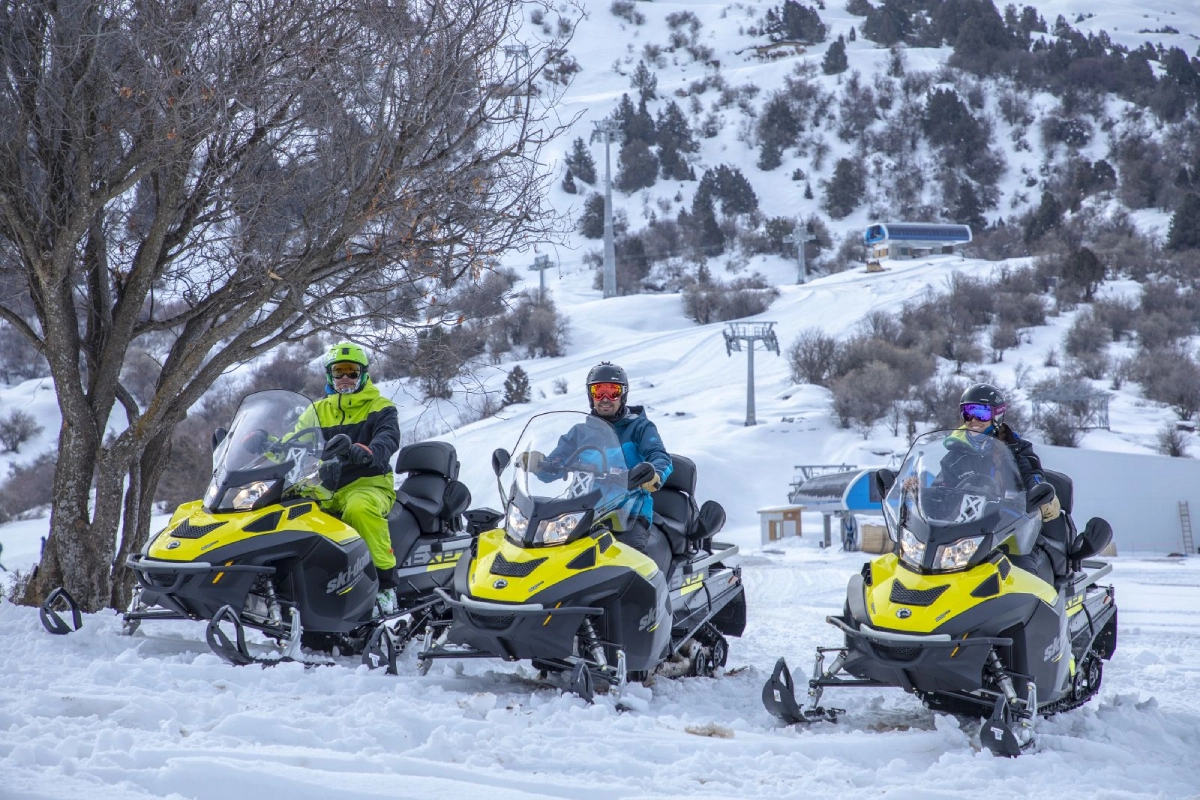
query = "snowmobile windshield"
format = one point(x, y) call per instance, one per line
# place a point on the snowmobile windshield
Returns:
point(956, 497)
point(567, 475)
point(273, 449)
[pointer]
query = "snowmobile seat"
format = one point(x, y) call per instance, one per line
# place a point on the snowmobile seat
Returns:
point(1058, 535)
point(675, 504)
point(431, 491)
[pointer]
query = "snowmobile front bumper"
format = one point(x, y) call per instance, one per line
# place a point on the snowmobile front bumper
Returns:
point(513, 632)
point(192, 588)
point(924, 663)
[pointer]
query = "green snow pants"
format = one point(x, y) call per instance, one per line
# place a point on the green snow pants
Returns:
point(365, 508)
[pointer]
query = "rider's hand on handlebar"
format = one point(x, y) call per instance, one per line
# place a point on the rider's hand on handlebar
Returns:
point(360, 455)
point(653, 484)
point(1051, 510)
point(256, 442)
point(530, 461)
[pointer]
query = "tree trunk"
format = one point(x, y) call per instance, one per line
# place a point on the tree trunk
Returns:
point(139, 505)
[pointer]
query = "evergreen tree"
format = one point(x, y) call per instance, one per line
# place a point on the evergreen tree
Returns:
point(591, 221)
point(1185, 224)
point(845, 190)
point(637, 167)
point(645, 81)
point(808, 192)
point(636, 122)
point(579, 161)
point(675, 138)
point(729, 185)
point(853, 36)
point(516, 387)
point(835, 61)
point(777, 130)
point(967, 208)
point(794, 23)
point(709, 239)
point(1084, 269)
point(887, 24)
point(568, 183)
point(1048, 216)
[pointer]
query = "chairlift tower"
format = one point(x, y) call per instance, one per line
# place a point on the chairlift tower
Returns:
point(518, 56)
point(751, 333)
point(608, 131)
point(800, 237)
point(541, 264)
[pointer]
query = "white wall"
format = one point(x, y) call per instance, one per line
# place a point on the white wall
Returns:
point(1138, 494)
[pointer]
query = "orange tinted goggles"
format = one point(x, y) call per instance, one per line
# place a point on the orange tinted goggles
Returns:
point(345, 371)
point(606, 391)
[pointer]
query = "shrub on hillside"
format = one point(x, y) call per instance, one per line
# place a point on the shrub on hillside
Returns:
point(706, 300)
point(16, 429)
point(27, 487)
point(812, 357)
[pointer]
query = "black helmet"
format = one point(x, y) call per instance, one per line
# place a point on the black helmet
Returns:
point(984, 394)
point(606, 372)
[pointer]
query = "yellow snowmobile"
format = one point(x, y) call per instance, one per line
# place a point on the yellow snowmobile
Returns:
point(555, 585)
point(981, 610)
point(258, 551)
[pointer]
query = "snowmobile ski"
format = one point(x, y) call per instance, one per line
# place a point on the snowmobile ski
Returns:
point(49, 613)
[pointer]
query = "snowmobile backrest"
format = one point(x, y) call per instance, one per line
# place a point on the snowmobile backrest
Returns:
point(683, 475)
point(436, 457)
point(1064, 488)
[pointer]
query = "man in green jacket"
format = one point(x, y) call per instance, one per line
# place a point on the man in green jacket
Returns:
point(364, 492)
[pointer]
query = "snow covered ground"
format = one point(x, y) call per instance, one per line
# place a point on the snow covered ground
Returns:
point(99, 715)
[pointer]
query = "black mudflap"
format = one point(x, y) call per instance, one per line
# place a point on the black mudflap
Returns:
point(60, 600)
point(996, 733)
point(779, 695)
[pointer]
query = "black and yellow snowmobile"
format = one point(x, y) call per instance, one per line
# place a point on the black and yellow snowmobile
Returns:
point(555, 586)
point(258, 551)
point(981, 610)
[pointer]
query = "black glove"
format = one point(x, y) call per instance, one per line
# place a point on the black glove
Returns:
point(331, 473)
point(360, 455)
point(256, 442)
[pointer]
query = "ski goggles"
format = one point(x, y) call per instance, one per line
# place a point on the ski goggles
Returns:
point(606, 391)
point(980, 411)
point(345, 371)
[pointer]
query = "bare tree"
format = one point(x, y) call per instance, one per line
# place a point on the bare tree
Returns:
point(224, 177)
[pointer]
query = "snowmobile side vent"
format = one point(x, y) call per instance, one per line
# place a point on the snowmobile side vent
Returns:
point(1003, 565)
point(605, 542)
point(989, 587)
point(585, 560)
point(299, 511)
point(866, 574)
point(264, 524)
point(189, 531)
point(514, 569)
point(915, 597)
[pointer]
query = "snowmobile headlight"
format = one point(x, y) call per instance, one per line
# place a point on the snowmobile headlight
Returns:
point(517, 523)
point(912, 549)
point(246, 496)
point(956, 555)
point(555, 531)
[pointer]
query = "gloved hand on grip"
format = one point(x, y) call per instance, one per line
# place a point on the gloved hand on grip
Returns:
point(360, 455)
point(1051, 510)
point(652, 485)
point(256, 442)
point(530, 461)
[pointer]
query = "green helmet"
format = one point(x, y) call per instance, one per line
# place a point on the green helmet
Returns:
point(343, 352)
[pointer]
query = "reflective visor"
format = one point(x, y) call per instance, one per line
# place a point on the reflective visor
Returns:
point(606, 391)
point(345, 371)
point(979, 411)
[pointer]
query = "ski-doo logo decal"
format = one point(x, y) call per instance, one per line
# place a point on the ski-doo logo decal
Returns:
point(1053, 649)
point(348, 577)
point(500, 583)
point(173, 545)
point(648, 620)
point(903, 613)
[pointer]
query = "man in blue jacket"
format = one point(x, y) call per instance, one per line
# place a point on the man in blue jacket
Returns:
point(608, 392)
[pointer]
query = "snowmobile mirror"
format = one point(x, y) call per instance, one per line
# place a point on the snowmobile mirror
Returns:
point(336, 447)
point(1095, 537)
point(219, 436)
point(641, 472)
point(710, 519)
point(500, 460)
point(884, 479)
point(1038, 496)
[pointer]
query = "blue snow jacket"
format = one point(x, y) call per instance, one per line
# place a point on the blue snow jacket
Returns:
point(639, 442)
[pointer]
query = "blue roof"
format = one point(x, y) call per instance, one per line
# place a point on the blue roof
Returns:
point(931, 232)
